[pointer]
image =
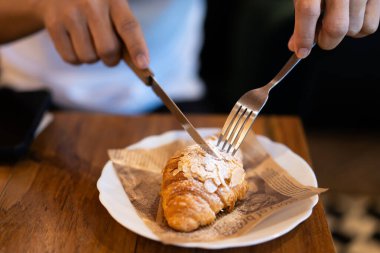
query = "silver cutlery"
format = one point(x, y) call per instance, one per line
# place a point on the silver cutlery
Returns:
point(246, 109)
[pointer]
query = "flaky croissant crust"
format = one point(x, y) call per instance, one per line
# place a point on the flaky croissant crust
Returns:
point(187, 204)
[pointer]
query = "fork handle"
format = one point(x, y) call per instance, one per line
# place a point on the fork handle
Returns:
point(290, 64)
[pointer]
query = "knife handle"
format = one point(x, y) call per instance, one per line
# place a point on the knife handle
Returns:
point(144, 74)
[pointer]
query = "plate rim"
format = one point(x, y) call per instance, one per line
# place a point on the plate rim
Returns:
point(213, 244)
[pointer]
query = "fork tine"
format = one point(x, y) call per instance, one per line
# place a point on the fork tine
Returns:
point(235, 130)
point(243, 133)
point(234, 124)
point(238, 129)
point(230, 119)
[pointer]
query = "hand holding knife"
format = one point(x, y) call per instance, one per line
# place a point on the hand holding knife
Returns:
point(148, 79)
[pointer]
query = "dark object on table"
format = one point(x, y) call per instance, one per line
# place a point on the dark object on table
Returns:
point(20, 115)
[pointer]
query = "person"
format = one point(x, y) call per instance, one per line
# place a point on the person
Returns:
point(78, 32)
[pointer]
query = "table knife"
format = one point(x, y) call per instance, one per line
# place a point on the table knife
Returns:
point(147, 77)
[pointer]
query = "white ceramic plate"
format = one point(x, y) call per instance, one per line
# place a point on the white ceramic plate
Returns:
point(116, 201)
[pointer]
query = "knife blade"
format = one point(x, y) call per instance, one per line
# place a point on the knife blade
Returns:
point(147, 77)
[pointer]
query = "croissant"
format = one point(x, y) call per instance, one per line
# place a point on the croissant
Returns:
point(196, 186)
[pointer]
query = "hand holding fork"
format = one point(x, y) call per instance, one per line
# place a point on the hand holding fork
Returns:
point(246, 109)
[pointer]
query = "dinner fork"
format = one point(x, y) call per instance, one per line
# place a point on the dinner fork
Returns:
point(246, 109)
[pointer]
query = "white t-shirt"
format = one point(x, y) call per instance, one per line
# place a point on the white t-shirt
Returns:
point(173, 30)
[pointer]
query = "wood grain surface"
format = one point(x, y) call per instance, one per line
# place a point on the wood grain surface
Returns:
point(49, 200)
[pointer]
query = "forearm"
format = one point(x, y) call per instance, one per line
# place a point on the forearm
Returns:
point(18, 19)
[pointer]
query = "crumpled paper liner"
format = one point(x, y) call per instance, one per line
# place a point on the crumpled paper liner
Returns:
point(271, 189)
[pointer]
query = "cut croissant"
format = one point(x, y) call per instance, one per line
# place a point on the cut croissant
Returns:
point(196, 186)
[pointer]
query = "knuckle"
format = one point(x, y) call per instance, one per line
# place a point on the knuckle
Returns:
point(134, 48)
point(129, 25)
point(85, 3)
point(326, 45)
point(336, 29)
point(110, 51)
point(52, 25)
point(370, 28)
point(308, 8)
point(305, 40)
point(88, 6)
point(50, 20)
point(88, 58)
point(71, 16)
point(112, 62)
point(69, 58)
point(353, 30)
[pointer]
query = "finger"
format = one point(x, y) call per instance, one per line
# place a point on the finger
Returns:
point(106, 43)
point(80, 37)
point(356, 16)
point(62, 43)
point(130, 32)
point(291, 43)
point(335, 24)
point(306, 16)
point(371, 18)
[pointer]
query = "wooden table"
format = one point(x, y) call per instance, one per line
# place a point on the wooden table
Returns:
point(49, 200)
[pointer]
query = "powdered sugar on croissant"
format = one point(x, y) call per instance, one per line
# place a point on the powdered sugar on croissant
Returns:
point(197, 185)
point(212, 171)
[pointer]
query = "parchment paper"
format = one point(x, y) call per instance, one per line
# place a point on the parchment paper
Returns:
point(271, 189)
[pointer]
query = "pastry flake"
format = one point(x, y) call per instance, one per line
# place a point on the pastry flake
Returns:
point(196, 186)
